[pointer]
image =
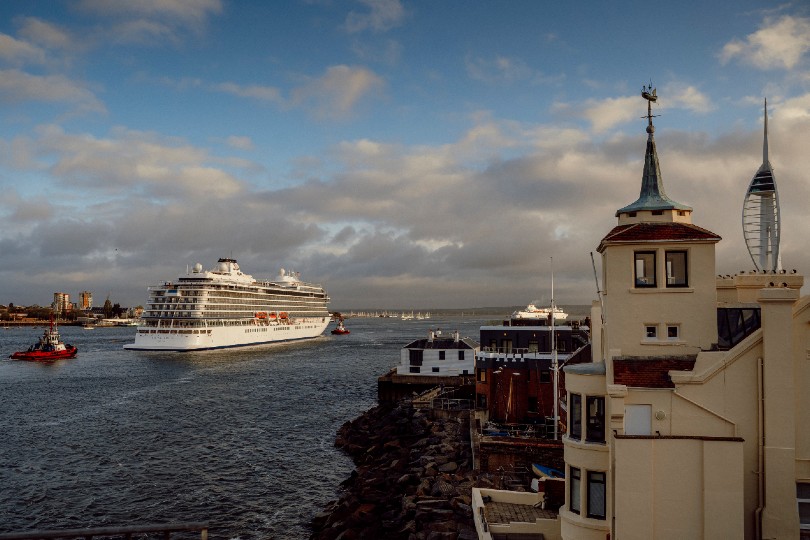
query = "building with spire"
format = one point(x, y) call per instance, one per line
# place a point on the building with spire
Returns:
point(691, 420)
point(760, 216)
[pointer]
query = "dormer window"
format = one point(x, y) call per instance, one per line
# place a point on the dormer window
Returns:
point(645, 269)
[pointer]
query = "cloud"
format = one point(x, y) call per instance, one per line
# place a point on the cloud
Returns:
point(607, 113)
point(138, 163)
point(336, 94)
point(19, 52)
point(469, 222)
point(151, 22)
point(262, 93)
point(687, 97)
point(192, 13)
point(46, 34)
point(17, 87)
point(779, 44)
point(497, 69)
point(382, 15)
point(240, 143)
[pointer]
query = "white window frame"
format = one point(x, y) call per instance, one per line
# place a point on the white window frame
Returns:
point(647, 336)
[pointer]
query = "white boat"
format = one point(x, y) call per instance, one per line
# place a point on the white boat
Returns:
point(533, 312)
point(223, 307)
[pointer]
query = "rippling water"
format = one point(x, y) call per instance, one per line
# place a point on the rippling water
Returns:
point(240, 439)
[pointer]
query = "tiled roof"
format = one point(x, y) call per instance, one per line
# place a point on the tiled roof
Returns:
point(658, 232)
point(649, 372)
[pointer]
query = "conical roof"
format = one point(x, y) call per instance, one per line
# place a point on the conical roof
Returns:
point(652, 195)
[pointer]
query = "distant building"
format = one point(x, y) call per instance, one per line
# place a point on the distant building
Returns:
point(61, 302)
point(85, 300)
point(514, 368)
point(440, 355)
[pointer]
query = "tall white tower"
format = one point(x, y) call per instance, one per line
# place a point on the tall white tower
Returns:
point(760, 216)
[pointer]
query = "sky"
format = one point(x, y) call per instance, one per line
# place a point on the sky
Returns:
point(406, 155)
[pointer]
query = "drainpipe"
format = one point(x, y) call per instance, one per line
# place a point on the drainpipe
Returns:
point(760, 450)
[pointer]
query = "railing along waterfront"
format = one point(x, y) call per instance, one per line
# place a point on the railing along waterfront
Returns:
point(117, 532)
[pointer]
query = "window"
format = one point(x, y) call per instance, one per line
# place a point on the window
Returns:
point(596, 495)
point(651, 331)
point(482, 375)
point(803, 496)
point(574, 505)
point(533, 346)
point(677, 275)
point(645, 269)
point(507, 345)
point(482, 401)
point(596, 419)
point(673, 332)
point(461, 355)
point(658, 212)
point(415, 357)
point(441, 355)
point(415, 369)
point(493, 344)
point(545, 376)
point(575, 416)
point(561, 345)
point(532, 404)
point(435, 370)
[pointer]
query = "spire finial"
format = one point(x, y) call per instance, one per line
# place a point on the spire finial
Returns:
point(765, 139)
point(649, 93)
point(652, 196)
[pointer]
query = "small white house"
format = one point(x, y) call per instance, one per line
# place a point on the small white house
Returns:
point(439, 355)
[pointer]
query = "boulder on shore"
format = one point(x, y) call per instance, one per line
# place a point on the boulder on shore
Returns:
point(413, 478)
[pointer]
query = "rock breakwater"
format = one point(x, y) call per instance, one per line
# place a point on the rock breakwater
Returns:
point(413, 478)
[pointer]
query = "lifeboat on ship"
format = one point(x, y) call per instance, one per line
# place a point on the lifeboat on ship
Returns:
point(50, 347)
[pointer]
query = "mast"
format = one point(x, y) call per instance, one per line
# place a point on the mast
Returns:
point(554, 365)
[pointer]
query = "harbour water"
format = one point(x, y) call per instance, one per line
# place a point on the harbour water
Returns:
point(240, 439)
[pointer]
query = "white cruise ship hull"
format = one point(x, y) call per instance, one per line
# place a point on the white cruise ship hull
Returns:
point(225, 337)
point(223, 308)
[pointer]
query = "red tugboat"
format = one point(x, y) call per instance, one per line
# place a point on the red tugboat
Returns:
point(340, 329)
point(49, 348)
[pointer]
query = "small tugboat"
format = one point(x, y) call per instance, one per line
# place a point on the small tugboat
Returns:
point(49, 348)
point(340, 329)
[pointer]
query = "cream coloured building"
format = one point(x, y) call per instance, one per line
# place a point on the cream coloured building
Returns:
point(693, 421)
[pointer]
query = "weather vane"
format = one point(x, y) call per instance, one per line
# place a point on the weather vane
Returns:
point(649, 93)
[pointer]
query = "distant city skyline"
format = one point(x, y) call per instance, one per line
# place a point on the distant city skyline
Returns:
point(403, 154)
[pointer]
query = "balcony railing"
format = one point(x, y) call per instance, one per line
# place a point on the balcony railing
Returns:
point(150, 531)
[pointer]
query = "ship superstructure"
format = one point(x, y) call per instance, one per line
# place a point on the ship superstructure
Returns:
point(224, 307)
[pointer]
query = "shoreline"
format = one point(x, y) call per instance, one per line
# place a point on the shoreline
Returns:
point(413, 477)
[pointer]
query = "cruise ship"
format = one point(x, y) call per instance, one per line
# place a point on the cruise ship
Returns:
point(224, 307)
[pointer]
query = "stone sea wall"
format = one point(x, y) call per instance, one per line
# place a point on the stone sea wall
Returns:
point(413, 478)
